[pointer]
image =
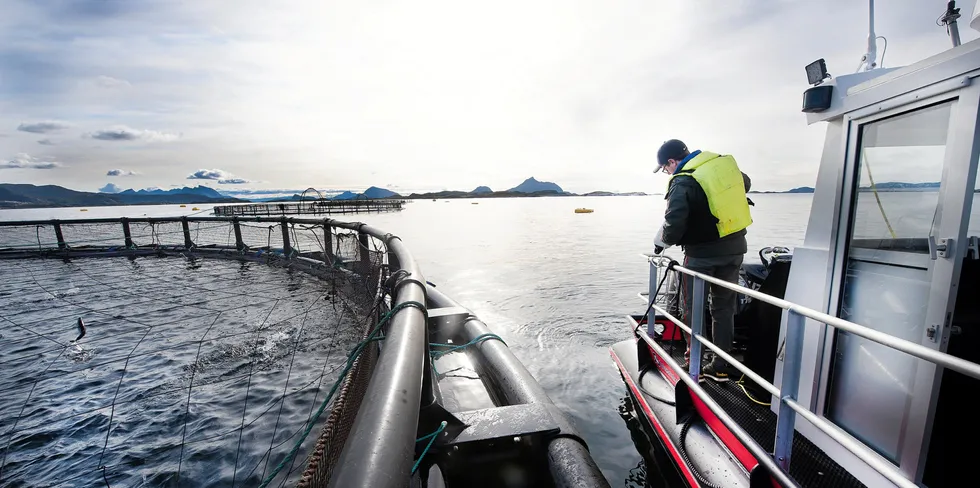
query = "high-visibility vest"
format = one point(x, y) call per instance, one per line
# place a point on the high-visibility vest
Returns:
point(722, 183)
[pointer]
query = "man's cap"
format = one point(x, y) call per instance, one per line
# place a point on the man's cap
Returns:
point(672, 149)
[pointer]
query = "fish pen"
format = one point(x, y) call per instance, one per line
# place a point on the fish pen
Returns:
point(256, 351)
point(315, 207)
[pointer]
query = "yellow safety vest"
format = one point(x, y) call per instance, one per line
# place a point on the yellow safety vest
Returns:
point(722, 182)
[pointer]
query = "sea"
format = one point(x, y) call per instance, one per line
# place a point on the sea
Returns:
point(554, 284)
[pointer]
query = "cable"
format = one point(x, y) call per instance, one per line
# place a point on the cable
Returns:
point(741, 384)
point(670, 267)
point(881, 208)
point(883, 51)
point(639, 384)
point(687, 460)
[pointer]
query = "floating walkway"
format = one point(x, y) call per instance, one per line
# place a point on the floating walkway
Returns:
point(315, 207)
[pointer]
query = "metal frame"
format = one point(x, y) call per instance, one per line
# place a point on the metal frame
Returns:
point(786, 394)
point(963, 114)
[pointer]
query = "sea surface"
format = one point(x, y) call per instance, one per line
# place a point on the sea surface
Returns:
point(556, 285)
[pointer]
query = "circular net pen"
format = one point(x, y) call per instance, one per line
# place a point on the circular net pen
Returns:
point(188, 351)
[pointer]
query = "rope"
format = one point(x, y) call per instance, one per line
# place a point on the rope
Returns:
point(432, 438)
point(456, 347)
point(350, 363)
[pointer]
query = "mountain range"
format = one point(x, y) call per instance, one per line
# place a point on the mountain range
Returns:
point(27, 195)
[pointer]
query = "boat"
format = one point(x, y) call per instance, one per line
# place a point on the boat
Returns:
point(182, 205)
point(857, 352)
point(441, 401)
point(583, 210)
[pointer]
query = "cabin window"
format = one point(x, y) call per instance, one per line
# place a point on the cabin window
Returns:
point(886, 283)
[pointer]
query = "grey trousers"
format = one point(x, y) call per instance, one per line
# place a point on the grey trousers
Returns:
point(721, 301)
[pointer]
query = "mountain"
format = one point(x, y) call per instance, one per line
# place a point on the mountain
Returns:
point(375, 192)
point(26, 195)
point(900, 186)
point(801, 189)
point(480, 190)
point(201, 190)
point(347, 195)
point(532, 185)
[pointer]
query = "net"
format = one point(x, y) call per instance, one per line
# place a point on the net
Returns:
point(208, 358)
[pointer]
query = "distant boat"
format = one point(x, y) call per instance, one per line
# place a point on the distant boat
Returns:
point(583, 210)
point(182, 205)
point(83, 210)
point(195, 208)
point(474, 203)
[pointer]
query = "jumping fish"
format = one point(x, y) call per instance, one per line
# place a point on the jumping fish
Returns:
point(81, 330)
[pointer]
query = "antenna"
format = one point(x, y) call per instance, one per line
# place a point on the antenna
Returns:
point(869, 60)
point(949, 20)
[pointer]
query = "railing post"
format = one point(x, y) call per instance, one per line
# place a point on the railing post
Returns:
point(239, 244)
point(652, 290)
point(327, 243)
point(188, 243)
point(364, 252)
point(62, 245)
point(287, 249)
point(697, 326)
point(786, 421)
point(126, 233)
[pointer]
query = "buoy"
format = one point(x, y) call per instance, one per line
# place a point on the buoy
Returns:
point(195, 208)
point(182, 205)
point(583, 210)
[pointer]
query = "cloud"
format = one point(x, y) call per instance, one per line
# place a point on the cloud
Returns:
point(233, 181)
point(46, 142)
point(120, 172)
point(110, 82)
point(209, 174)
point(110, 188)
point(26, 161)
point(43, 127)
point(123, 133)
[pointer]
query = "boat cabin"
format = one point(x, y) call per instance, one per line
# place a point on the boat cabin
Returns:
point(859, 350)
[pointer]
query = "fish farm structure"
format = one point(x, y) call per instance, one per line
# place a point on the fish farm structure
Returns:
point(308, 204)
point(256, 351)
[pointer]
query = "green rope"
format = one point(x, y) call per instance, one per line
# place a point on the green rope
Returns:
point(432, 438)
point(350, 364)
point(455, 347)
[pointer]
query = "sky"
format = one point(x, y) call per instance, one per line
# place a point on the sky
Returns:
point(256, 97)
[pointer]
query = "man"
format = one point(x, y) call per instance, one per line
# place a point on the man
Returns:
point(707, 214)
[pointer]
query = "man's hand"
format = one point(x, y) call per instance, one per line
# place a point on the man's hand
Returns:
point(658, 242)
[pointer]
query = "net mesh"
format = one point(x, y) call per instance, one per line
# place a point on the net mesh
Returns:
point(192, 369)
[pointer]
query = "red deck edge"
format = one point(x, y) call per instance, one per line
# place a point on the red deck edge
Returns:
point(748, 461)
point(685, 469)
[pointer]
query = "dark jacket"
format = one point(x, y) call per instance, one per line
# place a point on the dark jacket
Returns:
point(688, 221)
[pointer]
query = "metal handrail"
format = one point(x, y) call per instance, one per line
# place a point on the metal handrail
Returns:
point(860, 450)
point(940, 358)
point(789, 407)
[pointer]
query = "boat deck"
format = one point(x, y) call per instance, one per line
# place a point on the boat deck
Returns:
point(810, 466)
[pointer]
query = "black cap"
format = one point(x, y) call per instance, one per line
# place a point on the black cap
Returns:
point(672, 149)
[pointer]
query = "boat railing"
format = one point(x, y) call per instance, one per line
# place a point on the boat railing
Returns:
point(381, 434)
point(792, 353)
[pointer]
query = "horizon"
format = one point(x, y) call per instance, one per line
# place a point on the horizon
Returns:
point(258, 97)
